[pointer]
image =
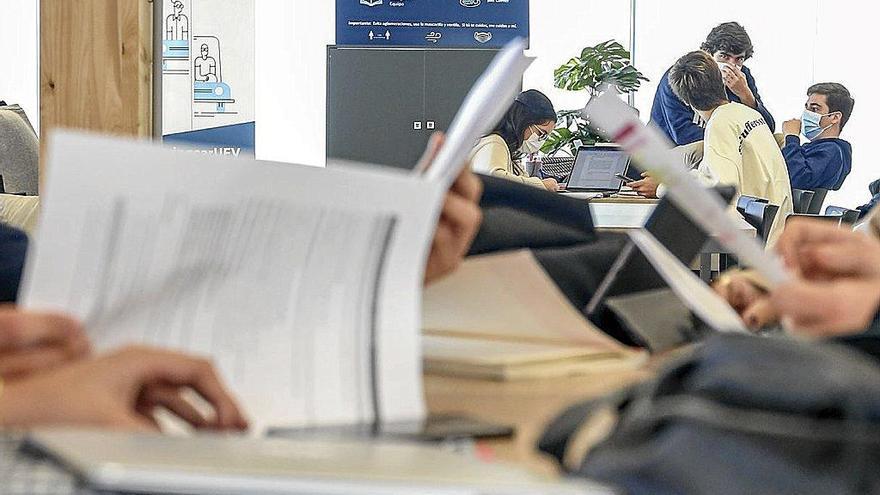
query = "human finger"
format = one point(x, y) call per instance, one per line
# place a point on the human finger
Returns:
point(858, 257)
point(157, 366)
point(468, 185)
point(800, 232)
point(435, 142)
point(16, 364)
point(171, 398)
point(22, 329)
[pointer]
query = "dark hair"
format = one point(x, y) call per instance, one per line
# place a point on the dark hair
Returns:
point(696, 80)
point(530, 108)
point(837, 97)
point(729, 37)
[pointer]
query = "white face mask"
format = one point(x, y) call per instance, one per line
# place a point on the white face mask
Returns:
point(533, 143)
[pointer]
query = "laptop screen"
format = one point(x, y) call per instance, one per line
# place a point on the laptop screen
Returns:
point(595, 169)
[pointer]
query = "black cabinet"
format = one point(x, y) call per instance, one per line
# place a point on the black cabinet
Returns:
point(383, 104)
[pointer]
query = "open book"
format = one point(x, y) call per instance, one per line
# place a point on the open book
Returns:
point(500, 316)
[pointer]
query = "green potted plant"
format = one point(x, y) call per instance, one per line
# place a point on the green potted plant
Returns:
point(599, 68)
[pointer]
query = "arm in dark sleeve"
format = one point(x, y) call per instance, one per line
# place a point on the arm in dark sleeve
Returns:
point(761, 108)
point(13, 248)
point(808, 169)
point(679, 117)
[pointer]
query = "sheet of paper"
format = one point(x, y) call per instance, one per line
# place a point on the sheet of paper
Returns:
point(507, 296)
point(611, 117)
point(485, 104)
point(697, 296)
point(302, 283)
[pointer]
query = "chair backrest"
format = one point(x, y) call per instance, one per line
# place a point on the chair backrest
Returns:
point(800, 199)
point(833, 218)
point(849, 217)
point(744, 201)
point(817, 201)
point(19, 151)
point(761, 216)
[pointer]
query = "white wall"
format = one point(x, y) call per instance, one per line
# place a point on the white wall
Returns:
point(291, 79)
point(560, 29)
point(845, 46)
point(20, 56)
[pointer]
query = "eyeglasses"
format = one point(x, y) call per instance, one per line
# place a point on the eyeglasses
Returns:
point(542, 134)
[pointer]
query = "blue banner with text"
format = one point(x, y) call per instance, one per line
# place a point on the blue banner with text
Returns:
point(431, 23)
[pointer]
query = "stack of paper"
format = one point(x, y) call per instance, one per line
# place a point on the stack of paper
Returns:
point(501, 317)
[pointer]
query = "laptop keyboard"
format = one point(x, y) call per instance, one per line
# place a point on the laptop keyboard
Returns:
point(558, 167)
point(25, 473)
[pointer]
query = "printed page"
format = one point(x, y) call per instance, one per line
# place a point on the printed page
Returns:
point(284, 274)
point(696, 295)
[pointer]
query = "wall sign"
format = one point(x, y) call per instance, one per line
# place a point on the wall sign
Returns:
point(208, 75)
point(441, 23)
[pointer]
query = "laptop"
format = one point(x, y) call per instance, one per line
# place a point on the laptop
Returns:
point(596, 169)
point(227, 464)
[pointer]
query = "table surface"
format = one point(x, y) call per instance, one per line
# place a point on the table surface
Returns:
point(529, 405)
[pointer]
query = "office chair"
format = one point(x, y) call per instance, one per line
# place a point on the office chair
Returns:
point(761, 216)
point(848, 217)
point(800, 199)
point(19, 151)
point(818, 200)
point(835, 219)
point(744, 201)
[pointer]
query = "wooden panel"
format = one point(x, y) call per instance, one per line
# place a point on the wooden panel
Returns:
point(95, 66)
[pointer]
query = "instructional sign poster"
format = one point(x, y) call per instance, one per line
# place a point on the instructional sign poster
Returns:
point(208, 75)
point(441, 23)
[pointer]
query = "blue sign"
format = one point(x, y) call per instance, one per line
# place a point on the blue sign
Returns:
point(431, 23)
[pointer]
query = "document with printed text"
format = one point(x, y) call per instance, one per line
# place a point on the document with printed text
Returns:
point(303, 284)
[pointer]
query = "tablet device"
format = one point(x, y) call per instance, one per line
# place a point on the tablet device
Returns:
point(632, 272)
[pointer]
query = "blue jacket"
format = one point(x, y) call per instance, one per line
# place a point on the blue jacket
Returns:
point(13, 248)
point(821, 163)
point(676, 119)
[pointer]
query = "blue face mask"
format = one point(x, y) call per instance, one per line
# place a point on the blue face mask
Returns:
point(811, 127)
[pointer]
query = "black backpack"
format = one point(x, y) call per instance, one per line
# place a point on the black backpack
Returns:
point(738, 414)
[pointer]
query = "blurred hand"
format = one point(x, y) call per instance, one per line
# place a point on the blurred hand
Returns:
point(646, 187)
point(792, 127)
point(836, 288)
point(32, 342)
point(459, 220)
point(750, 301)
point(120, 391)
point(551, 184)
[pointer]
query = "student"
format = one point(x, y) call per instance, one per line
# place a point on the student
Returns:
point(825, 160)
point(739, 148)
point(730, 46)
point(522, 131)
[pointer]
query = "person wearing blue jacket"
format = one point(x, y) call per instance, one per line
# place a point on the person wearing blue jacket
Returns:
point(825, 160)
point(730, 46)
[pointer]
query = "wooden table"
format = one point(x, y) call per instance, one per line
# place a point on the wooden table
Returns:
point(527, 404)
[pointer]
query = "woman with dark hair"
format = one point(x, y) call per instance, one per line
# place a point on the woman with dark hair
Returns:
point(522, 131)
